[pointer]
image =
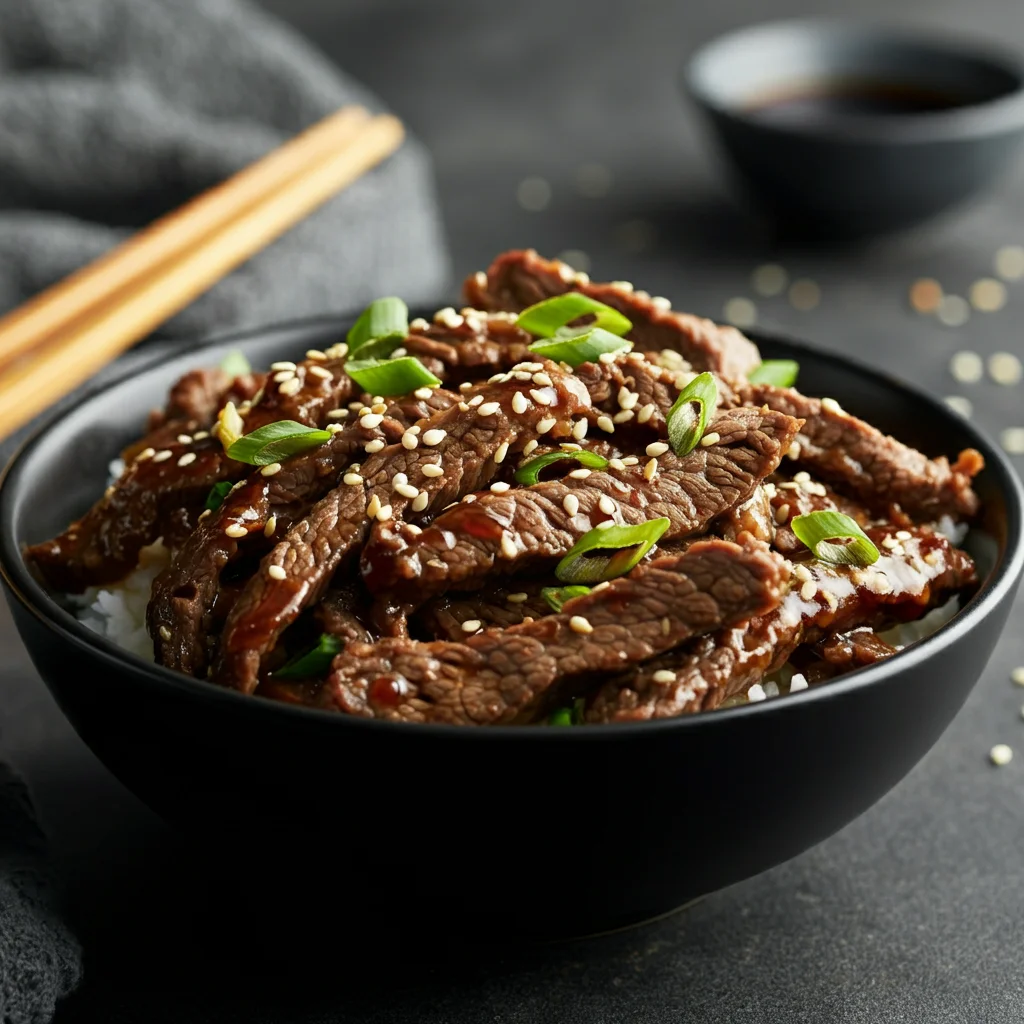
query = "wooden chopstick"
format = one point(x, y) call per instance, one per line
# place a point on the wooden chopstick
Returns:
point(56, 308)
point(36, 381)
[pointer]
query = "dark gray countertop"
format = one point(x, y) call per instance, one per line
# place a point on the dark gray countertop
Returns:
point(913, 913)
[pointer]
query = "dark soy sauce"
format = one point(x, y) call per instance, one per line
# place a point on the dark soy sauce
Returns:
point(822, 102)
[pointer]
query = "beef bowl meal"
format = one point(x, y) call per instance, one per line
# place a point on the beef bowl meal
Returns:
point(654, 604)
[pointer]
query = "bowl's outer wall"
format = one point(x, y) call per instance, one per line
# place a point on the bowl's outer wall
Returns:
point(551, 831)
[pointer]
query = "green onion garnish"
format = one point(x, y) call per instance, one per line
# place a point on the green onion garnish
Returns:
point(780, 372)
point(313, 663)
point(382, 318)
point(626, 544)
point(380, 348)
point(817, 529)
point(568, 716)
point(529, 473)
point(218, 492)
point(276, 441)
point(234, 364)
point(390, 376)
point(547, 318)
point(557, 596)
point(582, 348)
point(686, 428)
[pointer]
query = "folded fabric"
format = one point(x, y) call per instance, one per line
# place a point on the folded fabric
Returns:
point(111, 113)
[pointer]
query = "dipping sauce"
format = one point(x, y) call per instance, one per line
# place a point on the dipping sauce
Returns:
point(816, 103)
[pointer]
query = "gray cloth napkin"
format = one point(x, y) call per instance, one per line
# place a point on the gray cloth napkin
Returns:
point(112, 112)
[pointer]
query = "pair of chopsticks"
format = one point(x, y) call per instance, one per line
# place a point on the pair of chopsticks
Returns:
point(60, 338)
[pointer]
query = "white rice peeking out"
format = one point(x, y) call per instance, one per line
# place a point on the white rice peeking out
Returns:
point(118, 611)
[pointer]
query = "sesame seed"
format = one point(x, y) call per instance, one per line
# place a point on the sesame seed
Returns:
point(605, 423)
point(268, 530)
point(202, 515)
point(580, 474)
point(283, 376)
point(651, 469)
point(419, 324)
point(782, 514)
point(663, 675)
point(666, 626)
point(431, 470)
point(830, 600)
point(1000, 755)
point(434, 437)
point(384, 513)
point(578, 624)
point(657, 448)
point(409, 441)
point(371, 420)
point(420, 502)
point(413, 529)
point(660, 303)
point(448, 317)
point(465, 386)
point(338, 351)
point(756, 694)
point(463, 407)
point(1017, 675)
point(500, 487)
point(801, 572)
point(372, 447)
point(165, 633)
point(631, 460)
point(608, 357)
point(568, 446)
point(522, 375)
point(903, 535)
point(808, 590)
point(378, 407)
point(276, 572)
point(407, 490)
point(581, 278)
point(544, 425)
point(283, 364)
point(236, 531)
point(501, 452)
point(271, 470)
point(605, 524)
point(436, 563)
point(646, 412)
point(623, 416)
point(571, 504)
point(710, 438)
point(616, 464)
point(290, 387)
point(373, 507)
point(802, 477)
point(488, 408)
point(508, 546)
point(162, 456)
point(423, 393)
point(623, 286)
point(1005, 368)
point(469, 498)
point(831, 405)
point(352, 479)
point(793, 451)
point(399, 478)
point(319, 371)
point(475, 401)
point(337, 414)
point(519, 403)
point(184, 439)
point(471, 625)
point(315, 354)
point(540, 398)
point(187, 459)
point(579, 429)
point(531, 446)
point(517, 598)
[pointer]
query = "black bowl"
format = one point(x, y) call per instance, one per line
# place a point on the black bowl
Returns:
point(915, 124)
point(552, 831)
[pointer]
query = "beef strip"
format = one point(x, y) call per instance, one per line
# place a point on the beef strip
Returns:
point(497, 606)
point(915, 569)
point(503, 675)
point(873, 467)
point(158, 496)
point(340, 613)
point(462, 445)
point(853, 649)
point(520, 278)
point(527, 529)
point(754, 517)
point(471, 344)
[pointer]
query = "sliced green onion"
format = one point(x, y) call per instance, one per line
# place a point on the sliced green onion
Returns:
point(390, 376)
point(626, 546)
point(568, 716)
point(380, 348)
point(218, 492)
point(557, 596)
point(780, 372)
point(234, 364)
point(582, 348)
point(817, 529)
point(382, 318)
point(276, 441)
point(545, 319)
point(315, 662)
point(685, 427)
point(529, 473)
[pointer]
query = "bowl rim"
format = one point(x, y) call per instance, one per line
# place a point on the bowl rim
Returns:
point(37, 602)
point(999, 115)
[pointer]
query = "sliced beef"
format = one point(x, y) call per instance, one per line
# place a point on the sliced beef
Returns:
point(469, 345)
point(916, 568)
point(398, 480)
point(495, 607)
point(528, 529)
point(340, 613)
point(504, 675)
point(869, 465)
point(854, 649)
point(754, 517)
point(162, 493)
point(520, 278)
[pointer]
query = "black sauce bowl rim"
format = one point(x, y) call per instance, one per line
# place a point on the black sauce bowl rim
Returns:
point(33, 597)
point(1000, 114)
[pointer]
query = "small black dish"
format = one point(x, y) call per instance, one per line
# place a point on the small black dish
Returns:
point(849, 130)
point(508, 830)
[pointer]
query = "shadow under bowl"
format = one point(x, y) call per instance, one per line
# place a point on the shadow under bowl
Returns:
point(547, 832)
point(847, 130)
